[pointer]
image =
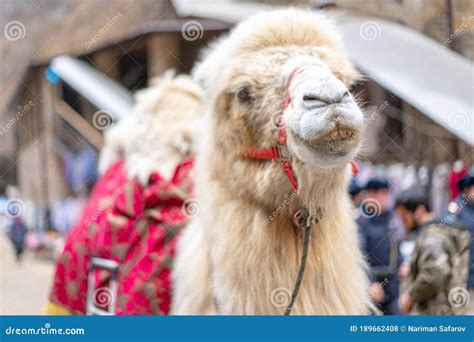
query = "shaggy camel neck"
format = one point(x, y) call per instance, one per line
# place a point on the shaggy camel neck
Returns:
point(278, 249)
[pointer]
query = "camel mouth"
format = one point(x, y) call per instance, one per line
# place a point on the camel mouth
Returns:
point(338, 135)
point(340, 141)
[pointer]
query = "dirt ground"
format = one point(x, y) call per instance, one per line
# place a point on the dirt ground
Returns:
point(23, 287)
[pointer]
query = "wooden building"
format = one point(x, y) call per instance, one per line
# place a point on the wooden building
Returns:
point(133, 41)
point(44, 123)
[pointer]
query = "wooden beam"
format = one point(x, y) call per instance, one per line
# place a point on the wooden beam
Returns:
point(164, 52)
point(47, 99)
point(80, 124)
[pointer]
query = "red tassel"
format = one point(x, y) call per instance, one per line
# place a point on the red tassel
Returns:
point(355, 167)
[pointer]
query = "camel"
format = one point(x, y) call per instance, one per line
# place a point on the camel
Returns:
point(280, 73)
point(159, 132)
point(134, 213)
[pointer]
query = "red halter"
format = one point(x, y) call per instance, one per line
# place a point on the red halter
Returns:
point(301, 218)
point(280, 151)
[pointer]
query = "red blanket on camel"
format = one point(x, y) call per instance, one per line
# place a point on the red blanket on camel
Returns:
point(133, 225)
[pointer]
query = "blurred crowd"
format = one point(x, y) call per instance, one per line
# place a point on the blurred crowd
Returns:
point(420, 261)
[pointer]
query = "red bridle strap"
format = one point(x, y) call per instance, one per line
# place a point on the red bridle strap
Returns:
point(280, 151)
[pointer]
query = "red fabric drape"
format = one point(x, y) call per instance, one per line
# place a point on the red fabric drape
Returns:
point(134, 225)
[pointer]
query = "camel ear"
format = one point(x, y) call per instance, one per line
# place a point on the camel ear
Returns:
point(211, 63)
point(200, 73)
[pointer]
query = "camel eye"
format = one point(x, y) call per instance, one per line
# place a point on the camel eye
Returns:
point(244, 95)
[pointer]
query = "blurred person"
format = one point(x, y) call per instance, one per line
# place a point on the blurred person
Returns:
point(12, 209)
point(356, 193)
point(18, 232)
point(414, 210)
point(460, 212)
point(439, 261)
point(380, 239)
point(458, 172)
point(4, 219)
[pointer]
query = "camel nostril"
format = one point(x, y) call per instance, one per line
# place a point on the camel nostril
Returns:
point(310, 98)
point(313, 101)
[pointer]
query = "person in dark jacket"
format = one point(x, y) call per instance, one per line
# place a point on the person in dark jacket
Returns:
point(414, 210)
point(18, 232)
point(380, 232)
point(460, 212)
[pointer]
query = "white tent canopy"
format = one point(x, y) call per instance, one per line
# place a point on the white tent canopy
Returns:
point(422, 72)
point(230, 11)
point(427, 75)
point(101, 91)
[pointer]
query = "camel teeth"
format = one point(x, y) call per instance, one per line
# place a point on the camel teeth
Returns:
point(339, 135)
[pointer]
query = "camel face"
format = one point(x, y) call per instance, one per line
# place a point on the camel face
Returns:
point(237, 246)
point(323, 119)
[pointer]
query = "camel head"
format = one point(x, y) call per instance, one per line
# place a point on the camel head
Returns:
point(169, 111)
point(248, 73)
point(159, 132)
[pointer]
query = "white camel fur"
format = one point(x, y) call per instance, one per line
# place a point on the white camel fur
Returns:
point(237, 256)
point(160, 130)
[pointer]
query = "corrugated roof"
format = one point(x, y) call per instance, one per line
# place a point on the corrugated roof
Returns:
point(100, 90)
point(435, 80)
point(230, 11)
